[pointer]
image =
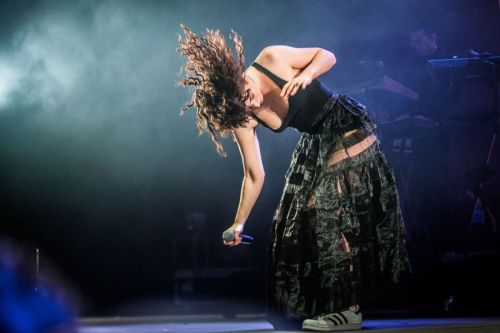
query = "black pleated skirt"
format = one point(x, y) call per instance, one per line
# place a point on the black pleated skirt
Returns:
point(338, 231)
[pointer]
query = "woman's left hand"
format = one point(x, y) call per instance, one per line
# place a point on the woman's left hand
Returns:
point(291, 87)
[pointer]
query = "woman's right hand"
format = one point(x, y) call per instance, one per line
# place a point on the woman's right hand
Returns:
point(236, 229)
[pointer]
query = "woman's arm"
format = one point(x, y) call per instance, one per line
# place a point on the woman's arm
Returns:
point(311, 61)
point(253, 177)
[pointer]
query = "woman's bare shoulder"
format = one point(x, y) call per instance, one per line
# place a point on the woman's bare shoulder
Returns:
point(296, 58)
point(269, 57)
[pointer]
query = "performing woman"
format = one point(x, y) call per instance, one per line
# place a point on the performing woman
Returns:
point(337, 232)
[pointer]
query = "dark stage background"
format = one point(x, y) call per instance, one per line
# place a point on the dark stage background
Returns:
point(118, 192)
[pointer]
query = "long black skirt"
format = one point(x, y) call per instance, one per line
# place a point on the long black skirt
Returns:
point(338, 229)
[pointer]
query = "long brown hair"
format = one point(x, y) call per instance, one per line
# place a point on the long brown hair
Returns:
point(216, 75)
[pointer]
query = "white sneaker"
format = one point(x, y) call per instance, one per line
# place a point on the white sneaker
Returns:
point(337, 321)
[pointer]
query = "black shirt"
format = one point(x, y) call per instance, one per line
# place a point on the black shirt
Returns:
point(304, 108)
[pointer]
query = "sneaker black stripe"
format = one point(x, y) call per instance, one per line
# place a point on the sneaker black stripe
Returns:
point(343, 317)
point(333, 320)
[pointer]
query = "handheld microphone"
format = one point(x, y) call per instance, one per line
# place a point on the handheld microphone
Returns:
point(228, 236)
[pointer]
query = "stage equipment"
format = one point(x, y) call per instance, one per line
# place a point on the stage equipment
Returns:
point(479, 73)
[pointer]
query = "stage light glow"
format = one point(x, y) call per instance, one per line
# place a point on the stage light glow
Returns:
point(8, 82)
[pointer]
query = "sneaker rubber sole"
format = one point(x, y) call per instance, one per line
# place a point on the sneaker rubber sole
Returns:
point(327, 328)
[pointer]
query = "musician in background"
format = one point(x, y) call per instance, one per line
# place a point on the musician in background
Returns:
point(429, 141)
point(423, 43)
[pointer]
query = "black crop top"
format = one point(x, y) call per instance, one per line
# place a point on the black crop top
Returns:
point(304, 108)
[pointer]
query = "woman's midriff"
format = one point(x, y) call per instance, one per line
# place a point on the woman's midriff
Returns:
point(353, 150)
point(338, 156)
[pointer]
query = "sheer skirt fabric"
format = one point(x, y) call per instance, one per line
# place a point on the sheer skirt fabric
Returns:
point(338, 229)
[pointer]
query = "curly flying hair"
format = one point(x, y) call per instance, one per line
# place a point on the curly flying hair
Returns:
point(216, 75)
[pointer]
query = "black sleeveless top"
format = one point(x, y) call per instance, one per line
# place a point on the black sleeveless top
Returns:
point(304, 108)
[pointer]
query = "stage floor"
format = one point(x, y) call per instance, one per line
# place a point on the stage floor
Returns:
point(215, 324)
